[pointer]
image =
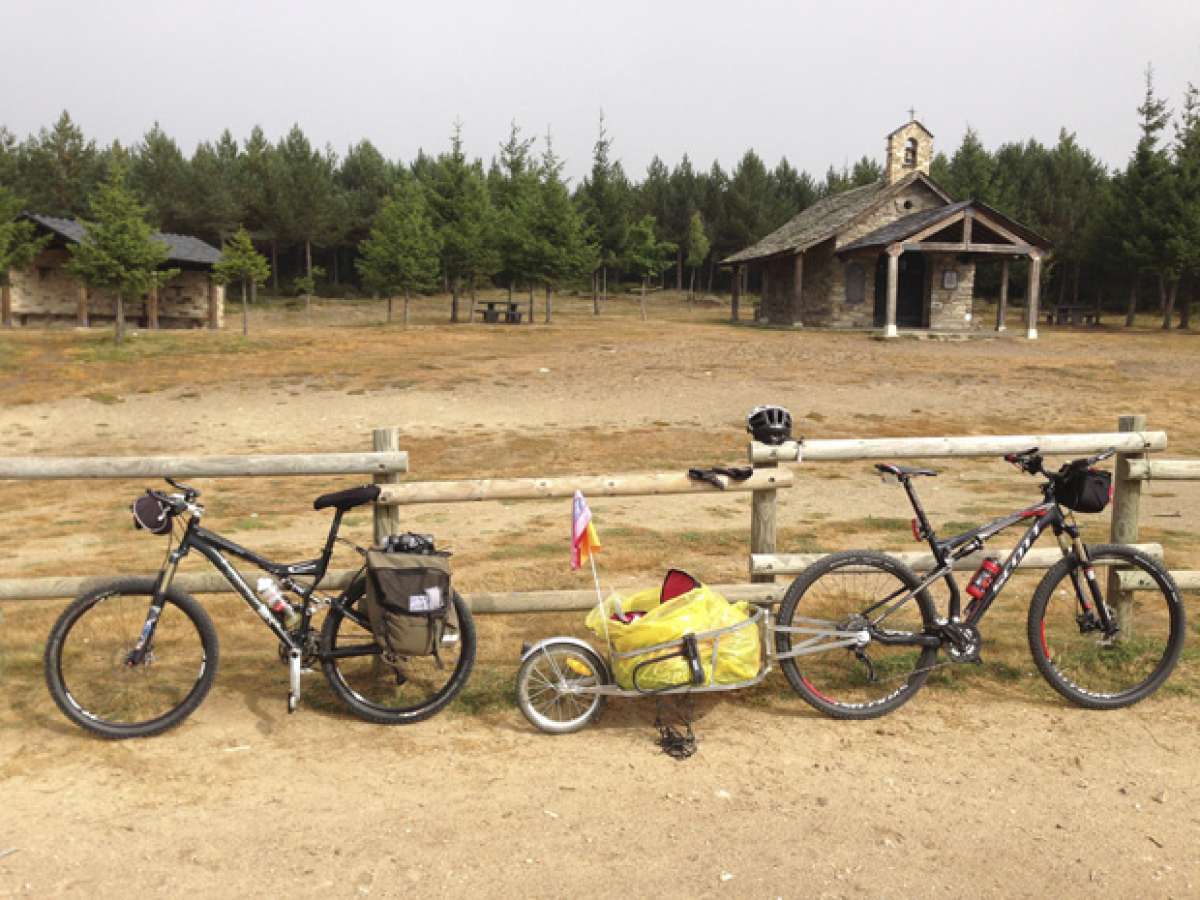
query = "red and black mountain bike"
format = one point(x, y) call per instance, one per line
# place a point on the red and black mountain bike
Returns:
point(1105, 626)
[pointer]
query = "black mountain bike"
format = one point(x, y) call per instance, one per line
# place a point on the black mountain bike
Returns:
point(868, 634)
point(136, 656)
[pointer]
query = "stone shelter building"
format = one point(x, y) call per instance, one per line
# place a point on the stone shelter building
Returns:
point(897, 253)
point(45, 293)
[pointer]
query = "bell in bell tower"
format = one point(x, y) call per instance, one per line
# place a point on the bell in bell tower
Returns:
point(909, 149)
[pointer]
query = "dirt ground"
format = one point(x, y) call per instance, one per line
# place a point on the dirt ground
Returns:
point(987, 784)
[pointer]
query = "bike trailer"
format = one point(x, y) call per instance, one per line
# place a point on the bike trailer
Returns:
point(408, 601)
point(646, 650)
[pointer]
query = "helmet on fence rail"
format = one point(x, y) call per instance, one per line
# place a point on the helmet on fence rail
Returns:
point(770, 424)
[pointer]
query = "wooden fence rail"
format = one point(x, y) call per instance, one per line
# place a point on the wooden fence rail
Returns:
point(1132, 441)
point(53, 468)
point(967, 446)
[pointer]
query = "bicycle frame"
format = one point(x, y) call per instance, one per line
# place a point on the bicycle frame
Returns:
point(214, 548)
point(1045, 515)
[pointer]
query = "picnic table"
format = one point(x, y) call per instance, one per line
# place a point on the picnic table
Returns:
point(511, 311)
point(1072, 315)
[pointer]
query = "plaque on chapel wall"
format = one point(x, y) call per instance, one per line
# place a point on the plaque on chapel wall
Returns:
point(950, 279)
point(856, 283)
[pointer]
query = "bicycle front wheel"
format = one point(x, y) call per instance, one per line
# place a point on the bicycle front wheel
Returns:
point(88, 669)
point(843, 596)
point(1069, 645)
point(412, 689)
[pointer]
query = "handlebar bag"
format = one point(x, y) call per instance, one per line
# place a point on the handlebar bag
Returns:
point(408, 601)
point(1084, 490)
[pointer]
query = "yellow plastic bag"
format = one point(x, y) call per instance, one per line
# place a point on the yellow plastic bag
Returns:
point(739, 655)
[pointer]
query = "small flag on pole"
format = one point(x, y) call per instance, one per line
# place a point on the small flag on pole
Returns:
point(584, 542)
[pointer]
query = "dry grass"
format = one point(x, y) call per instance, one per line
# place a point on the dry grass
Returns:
point(840, 384)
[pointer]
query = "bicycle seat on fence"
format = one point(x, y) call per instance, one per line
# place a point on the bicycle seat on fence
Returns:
point(905, 471)
point(349, 498)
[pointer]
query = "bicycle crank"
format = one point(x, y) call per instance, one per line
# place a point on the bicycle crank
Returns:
point(962, 642)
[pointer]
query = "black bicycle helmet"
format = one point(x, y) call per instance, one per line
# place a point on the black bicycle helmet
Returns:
point(770, 424)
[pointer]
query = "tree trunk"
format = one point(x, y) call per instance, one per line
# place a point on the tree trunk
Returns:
point(643, 298)
point(531, 303)
point(1131, 306)
point(692, 289)
point(471, 316)
point(1185, 308)
point(712, 265)
point(595, 293)
point(549, 302)
point(679, 268)
point(120, 317)
point(275, 265)
point(6, 306)
point(245, 311)
point(1075, 285)
point(1169, 306)
point(406, 307)
point(335, 265)
point(604, 282)
point(456, 290)
point(510, 290)
point(389, 313)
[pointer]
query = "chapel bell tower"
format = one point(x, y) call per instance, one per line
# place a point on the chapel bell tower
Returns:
point(909, 149)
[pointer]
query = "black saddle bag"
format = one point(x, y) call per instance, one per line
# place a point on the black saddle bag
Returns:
point(1082, 489)
point(408, 601)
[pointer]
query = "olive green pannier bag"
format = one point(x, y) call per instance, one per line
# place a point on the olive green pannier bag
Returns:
point(408, 601)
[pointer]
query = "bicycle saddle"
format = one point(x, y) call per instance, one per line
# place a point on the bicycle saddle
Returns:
point(906, 471)
point(349, 498)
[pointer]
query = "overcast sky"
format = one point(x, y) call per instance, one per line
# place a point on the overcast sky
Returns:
point(818, 82)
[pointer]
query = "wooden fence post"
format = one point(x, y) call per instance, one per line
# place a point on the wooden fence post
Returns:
point(387, 518)
point(1126, 505)
point(763, 506)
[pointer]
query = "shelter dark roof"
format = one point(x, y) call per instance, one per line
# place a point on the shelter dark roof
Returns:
point(181, 248)
point(907, 226)
point(825, 218)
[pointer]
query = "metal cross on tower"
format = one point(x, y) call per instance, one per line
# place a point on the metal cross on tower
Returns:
point(912, 114)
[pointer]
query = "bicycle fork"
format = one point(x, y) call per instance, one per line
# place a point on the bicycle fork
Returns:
point(143, 650)
point(1095, 613)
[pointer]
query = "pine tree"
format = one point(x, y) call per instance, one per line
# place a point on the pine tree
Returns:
point(305, 202)
point(604, 199)
point(697, 250)
point(118, 251)
point(19, 245)
point(1186, 237)
point(513, 188)
point(461, 212)
point(969, 173)
point(401, 252)
point(258, 189)
point(241, 262)
point(159, 175)
point(59, 169)
point(214, 208)
point(562, 250)
point(647, 254)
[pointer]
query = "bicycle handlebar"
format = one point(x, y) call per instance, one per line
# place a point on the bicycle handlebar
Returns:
point(1032, 462)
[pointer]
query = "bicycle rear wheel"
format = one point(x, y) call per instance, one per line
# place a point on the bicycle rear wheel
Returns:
point(843, 595)
point(1071, 650)
point(413, 689)
point(87, 660)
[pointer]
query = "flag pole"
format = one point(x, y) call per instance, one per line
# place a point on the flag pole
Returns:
point(600, 600)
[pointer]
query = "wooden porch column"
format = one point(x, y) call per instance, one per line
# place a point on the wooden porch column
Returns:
point(5, 306)
point(893, 283)
point(1003, 310)
point(762, 296)
point(736, 295)
point(82, 313)
point(1032, 294)
point(798, 291)
point(212, 304)
point(152, 307)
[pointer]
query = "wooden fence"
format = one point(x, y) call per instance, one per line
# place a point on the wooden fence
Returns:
point(386, 462)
